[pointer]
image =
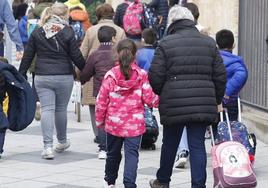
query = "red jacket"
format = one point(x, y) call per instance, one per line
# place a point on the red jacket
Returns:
point(120, 103)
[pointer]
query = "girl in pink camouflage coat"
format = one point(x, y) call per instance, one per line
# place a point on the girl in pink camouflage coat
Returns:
point(120, 111)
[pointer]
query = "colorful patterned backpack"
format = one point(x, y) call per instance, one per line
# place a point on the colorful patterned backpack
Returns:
point(133, 18)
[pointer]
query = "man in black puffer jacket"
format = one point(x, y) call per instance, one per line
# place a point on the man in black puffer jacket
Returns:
point(188, 74)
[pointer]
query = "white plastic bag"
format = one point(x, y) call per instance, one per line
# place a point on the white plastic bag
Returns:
point(76, 93)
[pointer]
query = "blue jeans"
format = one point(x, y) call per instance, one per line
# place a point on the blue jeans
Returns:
point(102, 139)
point(198, 157)
point(183, 142)
point(131, 148)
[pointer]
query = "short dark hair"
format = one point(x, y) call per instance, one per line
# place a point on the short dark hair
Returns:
point(106, 33)
point(149, 36)
point(225, 39)
point(194, 10)
point(104, 11)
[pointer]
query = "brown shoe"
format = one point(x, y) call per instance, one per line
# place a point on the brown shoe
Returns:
point(157, 184)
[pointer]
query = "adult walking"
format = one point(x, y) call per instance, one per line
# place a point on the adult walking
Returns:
point(188, 74)
point(56, 48)
point(91, 43)
point(7, 18)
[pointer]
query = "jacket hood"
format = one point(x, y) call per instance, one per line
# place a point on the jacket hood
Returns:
point(180, 25)
point(126, 86)
point(79, 15)
point(229, 58)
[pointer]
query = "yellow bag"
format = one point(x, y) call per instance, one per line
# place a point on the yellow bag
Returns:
point(5, 104)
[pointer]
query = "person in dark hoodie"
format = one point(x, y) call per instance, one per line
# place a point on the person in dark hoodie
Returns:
point(236, 69)
point(97, 64)
point(189, 75)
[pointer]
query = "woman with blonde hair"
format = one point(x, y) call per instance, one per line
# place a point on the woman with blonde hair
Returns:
point(56, 48)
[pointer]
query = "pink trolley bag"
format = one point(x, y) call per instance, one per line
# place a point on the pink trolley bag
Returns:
point(230, 162)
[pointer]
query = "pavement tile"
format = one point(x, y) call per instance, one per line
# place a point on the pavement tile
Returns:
point(27, 184)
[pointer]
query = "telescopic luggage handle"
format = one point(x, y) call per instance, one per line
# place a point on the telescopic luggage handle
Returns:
point(228, 124)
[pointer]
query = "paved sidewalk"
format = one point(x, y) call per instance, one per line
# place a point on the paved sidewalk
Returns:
point(22, 166)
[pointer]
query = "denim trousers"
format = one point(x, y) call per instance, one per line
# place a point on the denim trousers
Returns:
point(183, 142)
point(198, 157)
point(54, 92)
point(114, 156)
point(102, 139)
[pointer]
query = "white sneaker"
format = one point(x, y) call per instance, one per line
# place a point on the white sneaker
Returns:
point(182, 159)
point(102, 154)
point(105, 185)
point(48, 153)
point(62, 147)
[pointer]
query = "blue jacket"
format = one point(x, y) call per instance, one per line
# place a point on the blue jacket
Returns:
point(144, 57)
point(237, 73)
point(7, 18)
point(23, 29)
point(21, 107)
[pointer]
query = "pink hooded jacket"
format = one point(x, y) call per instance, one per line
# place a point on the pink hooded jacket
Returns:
point(120, 103)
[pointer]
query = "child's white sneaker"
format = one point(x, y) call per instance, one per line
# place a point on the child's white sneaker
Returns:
point(48, 153)
point(102, 154)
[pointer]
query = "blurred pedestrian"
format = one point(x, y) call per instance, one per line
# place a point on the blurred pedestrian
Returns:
point(188, 74)
point(56, 48)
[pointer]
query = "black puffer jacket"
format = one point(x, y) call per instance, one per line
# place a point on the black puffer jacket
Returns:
point(54, 55)
point(188, 74)
point(161, 7)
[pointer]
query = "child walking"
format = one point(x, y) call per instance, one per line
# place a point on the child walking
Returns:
point(236, 70)
point(120, 111)
point(97, 65)
point(145, 55)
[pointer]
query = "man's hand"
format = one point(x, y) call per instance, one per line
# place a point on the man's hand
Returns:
point(220, 108)
point(19, 55)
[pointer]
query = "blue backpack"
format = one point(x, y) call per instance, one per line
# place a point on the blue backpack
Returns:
point(21, 107)
point(78, 30)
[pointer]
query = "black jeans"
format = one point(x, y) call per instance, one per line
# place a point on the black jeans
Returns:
point(131, 149)
point(198, 157)
point(2, 139)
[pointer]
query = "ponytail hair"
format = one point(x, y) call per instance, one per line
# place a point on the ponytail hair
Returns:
point(126, 50)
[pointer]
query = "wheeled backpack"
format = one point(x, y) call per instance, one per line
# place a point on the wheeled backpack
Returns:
point(152, 130)
point(230, 162)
